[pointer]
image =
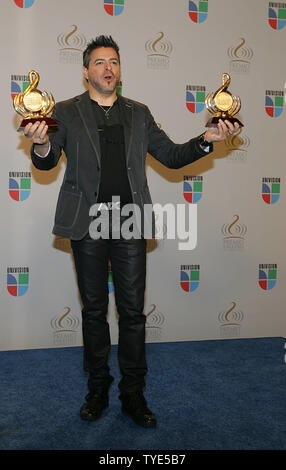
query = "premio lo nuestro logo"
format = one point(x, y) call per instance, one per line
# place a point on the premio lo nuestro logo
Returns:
point(195, 98)
point(198, 10)
point(154, 322)
point(71, 46)
point(24, 3)
point(238, 145)
point(17, 281)
point(274, 102)
point(65, 328)
point(240, 57)
point(190, 277)
point(19, 83)
point(159, 51)
point(270, 190)
point(193, 188)
point(234, 234)
point(114, 7)
point(230, 321)
point(267, 276)
point(19, 185)
point(277, 15)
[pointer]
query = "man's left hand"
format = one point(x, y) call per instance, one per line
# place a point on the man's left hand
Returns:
point(221, 132)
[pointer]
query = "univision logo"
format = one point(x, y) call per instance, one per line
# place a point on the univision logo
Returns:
point(190, 277)
point(195, 98)
point(270, 190)
point(24, 3)
point(19, 185)
point(19, 83)
point(193, 188)
point(277, 15)
point(17, 281)
point(267, 276)
point(274, 102)
point(198, 10)
point(114, 7)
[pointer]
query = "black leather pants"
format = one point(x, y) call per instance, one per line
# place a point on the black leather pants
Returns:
point(128, 264)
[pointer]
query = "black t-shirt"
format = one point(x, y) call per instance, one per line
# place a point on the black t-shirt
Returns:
point(114, 180)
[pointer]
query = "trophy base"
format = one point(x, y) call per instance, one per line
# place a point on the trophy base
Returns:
point(49, 121)
point(213, 122)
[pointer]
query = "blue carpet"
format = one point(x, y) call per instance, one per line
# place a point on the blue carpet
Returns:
point(217, 395)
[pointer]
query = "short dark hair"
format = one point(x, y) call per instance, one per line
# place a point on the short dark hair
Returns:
point(99, 41)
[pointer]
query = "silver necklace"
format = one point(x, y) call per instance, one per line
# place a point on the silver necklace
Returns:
point(106, 112)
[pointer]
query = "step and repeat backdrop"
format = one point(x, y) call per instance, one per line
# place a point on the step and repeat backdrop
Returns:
point(173, 53)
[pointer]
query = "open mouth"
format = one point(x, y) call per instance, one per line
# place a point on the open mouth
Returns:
point(108, 77)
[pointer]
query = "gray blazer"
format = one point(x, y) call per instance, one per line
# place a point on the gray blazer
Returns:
point(77, 135)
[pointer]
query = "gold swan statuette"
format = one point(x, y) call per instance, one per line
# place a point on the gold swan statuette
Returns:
point(222, 104)
point(34, 104)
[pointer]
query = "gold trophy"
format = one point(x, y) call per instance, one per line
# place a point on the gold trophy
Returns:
point(34, 105)
point(222, 104)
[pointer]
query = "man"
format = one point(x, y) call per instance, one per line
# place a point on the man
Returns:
point(106, 138)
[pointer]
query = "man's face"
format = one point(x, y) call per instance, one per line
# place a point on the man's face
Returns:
point(103, 72)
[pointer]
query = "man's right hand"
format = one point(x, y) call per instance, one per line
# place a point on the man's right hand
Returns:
point(37, 134)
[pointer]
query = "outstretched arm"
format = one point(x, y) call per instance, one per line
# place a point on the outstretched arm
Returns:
point(173, 155)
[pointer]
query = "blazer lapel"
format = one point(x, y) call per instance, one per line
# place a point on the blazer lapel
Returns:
point(86, 113)
point(126, 115)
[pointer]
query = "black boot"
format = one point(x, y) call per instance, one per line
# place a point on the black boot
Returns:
point(135, 405)
point(95, 403)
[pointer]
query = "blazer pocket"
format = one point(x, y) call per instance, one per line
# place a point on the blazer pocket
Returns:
point(68, 207)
